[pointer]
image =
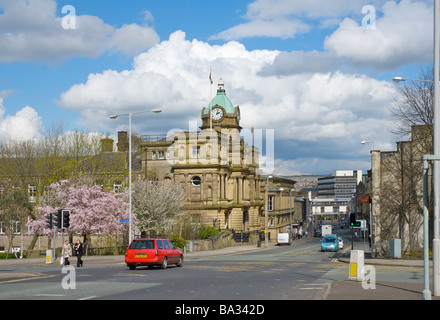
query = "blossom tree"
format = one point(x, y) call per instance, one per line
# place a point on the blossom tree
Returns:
point(93, 211)
point(155, 205)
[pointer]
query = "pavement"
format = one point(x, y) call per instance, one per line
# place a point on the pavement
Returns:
point(338, 290)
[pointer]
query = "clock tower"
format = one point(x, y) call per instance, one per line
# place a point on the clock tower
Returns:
point(221, 113)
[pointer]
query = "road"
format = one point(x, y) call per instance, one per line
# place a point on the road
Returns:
point(296, 272)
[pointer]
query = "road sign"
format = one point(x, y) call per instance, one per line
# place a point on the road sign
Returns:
point(124, 220)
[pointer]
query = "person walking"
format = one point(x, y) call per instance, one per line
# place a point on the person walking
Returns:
point(79, 252)
point(67, 253)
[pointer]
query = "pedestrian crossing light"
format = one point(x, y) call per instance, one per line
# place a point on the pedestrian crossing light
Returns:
point(57, 219)
point(49, 221)
point(66, 218)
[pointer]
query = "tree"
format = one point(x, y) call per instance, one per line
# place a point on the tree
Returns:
point(93, 211)
point(14, 211)
point(155, 204)
point(414, 106)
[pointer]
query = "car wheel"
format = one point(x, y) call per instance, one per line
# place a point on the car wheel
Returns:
point(132, 266)
point(164, 263)
point(180, 263)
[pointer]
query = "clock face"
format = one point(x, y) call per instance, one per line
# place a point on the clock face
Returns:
point(217, 114)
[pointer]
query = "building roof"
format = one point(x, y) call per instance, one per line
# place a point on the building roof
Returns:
point(221, 100)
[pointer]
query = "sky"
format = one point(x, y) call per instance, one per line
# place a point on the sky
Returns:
point(318, 72)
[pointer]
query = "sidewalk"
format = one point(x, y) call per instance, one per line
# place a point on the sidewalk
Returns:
point(384, 290)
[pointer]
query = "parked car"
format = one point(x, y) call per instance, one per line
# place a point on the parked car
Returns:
point(150, 252)
point(317, 233)
point(341, 243)
point(329, 243)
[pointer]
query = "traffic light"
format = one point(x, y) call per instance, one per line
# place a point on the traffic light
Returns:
point(49, 221)
point(352, 219)
point(57, 219)
point(66, 218)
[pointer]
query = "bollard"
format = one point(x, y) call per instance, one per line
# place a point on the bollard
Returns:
point(49, 256)
point(356, 265)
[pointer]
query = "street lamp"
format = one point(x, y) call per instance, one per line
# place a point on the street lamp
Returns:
point(290, 199)
point(130, 236)
point(265, 209)
point(400, 79)
point(371, 230)
point(364, 142)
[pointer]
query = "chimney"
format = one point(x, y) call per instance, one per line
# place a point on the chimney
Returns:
point(122, 141)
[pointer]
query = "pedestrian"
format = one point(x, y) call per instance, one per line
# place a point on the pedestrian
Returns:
point(67, 253)
point(79, 252)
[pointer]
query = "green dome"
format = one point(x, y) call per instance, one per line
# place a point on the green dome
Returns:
point(221, 100)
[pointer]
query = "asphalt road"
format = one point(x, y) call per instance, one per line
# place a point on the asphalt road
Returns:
point(296, 272)
point(278, 273)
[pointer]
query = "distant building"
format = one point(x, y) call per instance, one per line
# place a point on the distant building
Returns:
point(335, 192)
point(341, 184)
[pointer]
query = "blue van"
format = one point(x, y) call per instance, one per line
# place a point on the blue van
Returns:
point(329, 243)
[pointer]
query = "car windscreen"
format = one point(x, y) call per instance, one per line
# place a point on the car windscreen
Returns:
point(329, 240)
point(142, 244)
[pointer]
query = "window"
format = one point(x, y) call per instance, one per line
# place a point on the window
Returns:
point(153, 155)
point(171, 245)
point(160, 155)
point(118, 187)
point(196, 181)
point(159, 244)
point(32, 191)
point(196, 152)
point(142, 244)
point(270, 203)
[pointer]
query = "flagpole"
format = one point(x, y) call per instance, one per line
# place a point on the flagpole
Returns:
point(210, 99)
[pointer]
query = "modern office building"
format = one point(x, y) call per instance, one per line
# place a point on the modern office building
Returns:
point(335, 192)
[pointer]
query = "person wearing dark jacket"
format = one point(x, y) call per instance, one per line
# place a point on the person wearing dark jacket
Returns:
point(79, 252)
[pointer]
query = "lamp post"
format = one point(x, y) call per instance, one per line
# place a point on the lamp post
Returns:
point(130, 236)
point(290, 198)
point(266, 213)
point(370, 204)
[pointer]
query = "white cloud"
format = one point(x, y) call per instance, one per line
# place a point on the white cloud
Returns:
point(340, 109)
point(279, 28)
point(25, 124)
point(287, 18)
point(402, 35)
point(31, 30)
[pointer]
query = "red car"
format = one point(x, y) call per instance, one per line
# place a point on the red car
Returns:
point(150, 252)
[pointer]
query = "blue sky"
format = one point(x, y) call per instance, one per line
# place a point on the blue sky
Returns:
point(311, 70)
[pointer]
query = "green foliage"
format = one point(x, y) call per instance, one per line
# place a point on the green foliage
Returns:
point(178, 242)
point(207, 232)
point(10, 255)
